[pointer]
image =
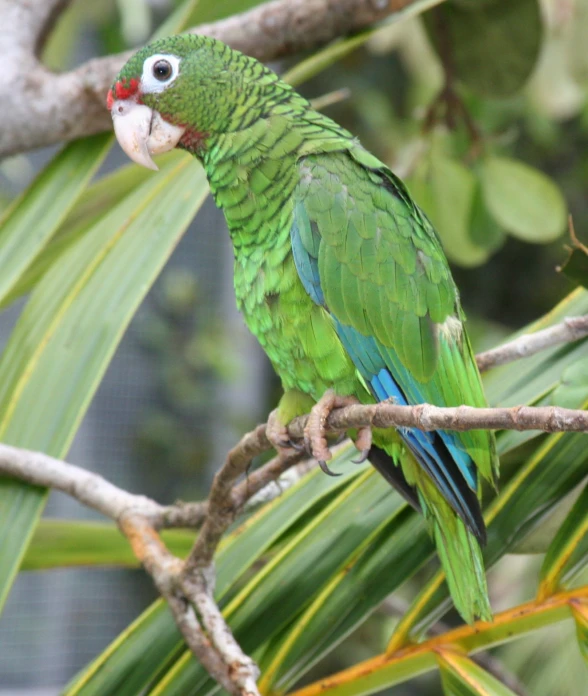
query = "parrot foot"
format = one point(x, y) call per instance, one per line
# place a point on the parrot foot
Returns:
point(277, 433)
point(314, 432)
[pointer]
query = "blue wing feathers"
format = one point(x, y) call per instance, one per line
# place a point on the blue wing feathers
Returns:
point(434, 455)
point(448, 465)
point(307, 267)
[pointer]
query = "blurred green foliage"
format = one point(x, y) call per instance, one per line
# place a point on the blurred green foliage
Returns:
point(189, 356)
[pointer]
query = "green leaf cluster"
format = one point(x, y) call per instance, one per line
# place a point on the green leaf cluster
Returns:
point(490, 46)
point(473, 208)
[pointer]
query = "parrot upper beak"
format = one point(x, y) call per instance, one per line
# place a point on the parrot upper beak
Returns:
point(142, 132)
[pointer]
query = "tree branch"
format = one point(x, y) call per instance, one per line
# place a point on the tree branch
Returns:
point(188, 585)
point(48, 108)
point(189, 596)
point(571, 329)
point(88, 488)
point(550, 419)
point(223, 658)
point(25, 25)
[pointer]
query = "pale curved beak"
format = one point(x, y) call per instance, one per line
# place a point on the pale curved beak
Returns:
point(142, 132)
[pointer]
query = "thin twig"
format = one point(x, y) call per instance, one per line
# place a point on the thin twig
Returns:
point(221, 512)
point(223, 502)
point(257, 480)
point(330, 98)
point(571, 329)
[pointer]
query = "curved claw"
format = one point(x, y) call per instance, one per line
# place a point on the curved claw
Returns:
point(298, 446)
point(363, 455)
point(325, 469)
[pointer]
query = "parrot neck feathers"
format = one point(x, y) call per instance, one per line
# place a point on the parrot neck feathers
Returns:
point(194, 141)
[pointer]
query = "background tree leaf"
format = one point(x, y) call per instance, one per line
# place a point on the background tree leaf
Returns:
point(485, 232)
point(523, 200)
point(491, 46)
point(446, 191)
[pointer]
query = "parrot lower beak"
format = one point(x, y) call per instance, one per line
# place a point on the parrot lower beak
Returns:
point(142, 132)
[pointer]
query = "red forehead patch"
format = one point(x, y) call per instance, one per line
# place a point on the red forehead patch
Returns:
point(123, 89)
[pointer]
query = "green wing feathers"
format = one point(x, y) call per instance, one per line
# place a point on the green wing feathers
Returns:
point(380, 272)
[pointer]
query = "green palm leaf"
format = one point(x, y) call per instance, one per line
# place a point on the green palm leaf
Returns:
point(70, 328)
point(462, 677)
point(35, 216)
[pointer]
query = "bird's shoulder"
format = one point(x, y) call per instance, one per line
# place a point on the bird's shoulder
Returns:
point(362, 215)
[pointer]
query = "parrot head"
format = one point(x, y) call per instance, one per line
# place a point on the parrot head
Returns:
point(182, 91)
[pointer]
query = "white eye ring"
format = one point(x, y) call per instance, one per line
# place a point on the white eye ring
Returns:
point(152, 84)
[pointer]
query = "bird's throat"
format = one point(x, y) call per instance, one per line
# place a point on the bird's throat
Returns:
point(193, 140)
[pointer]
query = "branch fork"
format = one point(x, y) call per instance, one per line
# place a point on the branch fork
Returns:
point(188, 585)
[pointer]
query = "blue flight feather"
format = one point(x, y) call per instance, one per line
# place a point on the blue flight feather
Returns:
point(437, 452)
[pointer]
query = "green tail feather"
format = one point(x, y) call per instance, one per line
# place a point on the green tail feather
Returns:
point(460, 555)
point(461, 558)
point(459, 550)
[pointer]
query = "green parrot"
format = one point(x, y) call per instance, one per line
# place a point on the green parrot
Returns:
point(338, 273)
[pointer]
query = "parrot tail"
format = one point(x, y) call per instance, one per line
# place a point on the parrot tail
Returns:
point(458, 544)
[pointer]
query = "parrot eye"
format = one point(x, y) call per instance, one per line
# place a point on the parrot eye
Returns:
point(159, 71)
point(162, 70)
